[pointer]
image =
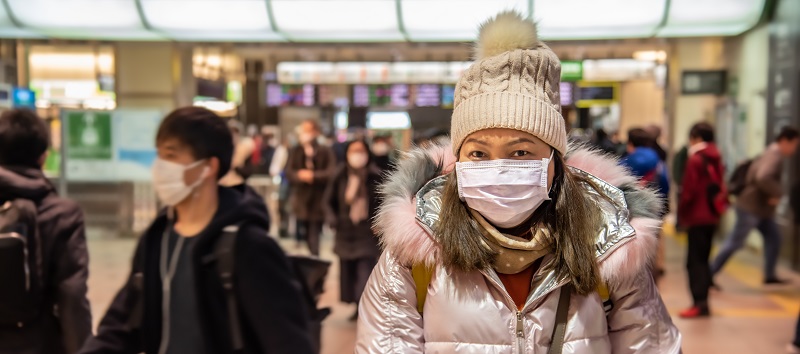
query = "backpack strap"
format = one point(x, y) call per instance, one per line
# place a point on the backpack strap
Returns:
point(562, 314)
point(225, 252)
point(605, 297)
point(422, 275)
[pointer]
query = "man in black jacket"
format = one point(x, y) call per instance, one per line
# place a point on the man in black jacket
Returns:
point(174, 300)
point(65, 320)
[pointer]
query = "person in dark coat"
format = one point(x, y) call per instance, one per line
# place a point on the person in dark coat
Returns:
point(24, 140)
point(700, 212)
point(309, 169)
point(174, 300)
point(351, 201)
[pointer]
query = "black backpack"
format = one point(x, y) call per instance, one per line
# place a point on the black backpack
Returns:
point(738, 179)
point(310, 271)
point(20, 263)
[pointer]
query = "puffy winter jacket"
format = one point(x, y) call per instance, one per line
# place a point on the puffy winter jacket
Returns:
point(470, 312)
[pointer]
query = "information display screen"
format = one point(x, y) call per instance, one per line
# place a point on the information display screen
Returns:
point(428, 95)
point(596, 93)
point(371, 95)
point(448, 96)
point(290, 95)
point(565, 92)
point(400, 95)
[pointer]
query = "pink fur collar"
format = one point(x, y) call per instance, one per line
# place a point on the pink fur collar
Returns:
point(410, 241)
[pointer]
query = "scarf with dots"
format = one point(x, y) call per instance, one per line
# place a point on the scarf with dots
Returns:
point(514, 254)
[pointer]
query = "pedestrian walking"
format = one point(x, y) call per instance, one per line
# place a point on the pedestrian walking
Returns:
point(205, 277)
point(351, 201)
point(309, 169)
point(44, 262)
point(755, 206)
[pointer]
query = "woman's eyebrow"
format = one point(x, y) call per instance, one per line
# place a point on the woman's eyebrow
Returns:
point(476, 141)
point(520, 141)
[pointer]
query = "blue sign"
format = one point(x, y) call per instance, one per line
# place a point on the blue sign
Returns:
point(24, 98)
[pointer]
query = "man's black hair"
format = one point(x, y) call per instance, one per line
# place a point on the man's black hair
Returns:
point(639, 137)
point(24, 138)
point(702, 131)
point(203, 131)
point(788, 133)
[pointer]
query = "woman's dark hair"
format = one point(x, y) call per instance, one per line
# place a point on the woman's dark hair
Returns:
point(702, 131)
point(203, 131)
point(788, 133)
point(572, 217)
point(24, 138)
point(350, 143)
point(639, 137)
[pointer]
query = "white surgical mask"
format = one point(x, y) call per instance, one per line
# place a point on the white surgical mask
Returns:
point(357, 160)
point(505, 192)
point(168, 181)
point(381, 149)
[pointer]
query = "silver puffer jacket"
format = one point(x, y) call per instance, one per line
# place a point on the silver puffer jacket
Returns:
point(471, 312)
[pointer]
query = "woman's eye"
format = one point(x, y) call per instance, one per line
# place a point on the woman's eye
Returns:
point(520, 153)
point(477, 154)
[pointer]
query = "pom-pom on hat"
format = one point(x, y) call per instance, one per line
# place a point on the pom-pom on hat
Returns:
point(513, 84)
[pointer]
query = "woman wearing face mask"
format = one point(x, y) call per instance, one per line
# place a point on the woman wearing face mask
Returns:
point(350, 203)
point(508, 241)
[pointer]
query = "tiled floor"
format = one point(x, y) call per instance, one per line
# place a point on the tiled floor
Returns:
point(749, 318)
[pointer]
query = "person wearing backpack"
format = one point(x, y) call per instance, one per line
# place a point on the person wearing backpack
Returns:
point(43, 256)
point(205, 277)
point(703, 201)
point(507, 240)
point(756, 204)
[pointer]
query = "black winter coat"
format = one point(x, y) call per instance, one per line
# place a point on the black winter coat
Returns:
point(272, 315)
point(352, 241)
point(66, 320)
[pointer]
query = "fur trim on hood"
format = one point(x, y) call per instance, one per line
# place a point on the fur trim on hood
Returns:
point(411, 242)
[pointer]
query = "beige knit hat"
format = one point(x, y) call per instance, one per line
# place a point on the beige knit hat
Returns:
point(514, 84)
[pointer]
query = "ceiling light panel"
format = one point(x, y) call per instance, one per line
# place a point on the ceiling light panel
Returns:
point(597, 19)
point(223, 20)
point(452, 20)
point(9, 30)
point(96, 19)
point(337, 21)
point(711, 17)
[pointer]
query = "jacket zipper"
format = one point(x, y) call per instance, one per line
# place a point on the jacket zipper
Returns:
point(520, 327)
point(520, 333)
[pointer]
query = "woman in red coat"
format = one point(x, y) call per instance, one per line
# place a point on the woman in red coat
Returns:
point(701, 206)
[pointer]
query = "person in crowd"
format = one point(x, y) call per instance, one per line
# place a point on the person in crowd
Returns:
point(646, 164)
point(51, 315)
point(263, 153)
point(655, 134)
point(205, 277)
point(244, 146)
point(350, 202)
point(608, 143)
point(382, 148)
point(520, 261)
point(701, 206)
point(755, 206)
point(277, 170)
point(310, 167)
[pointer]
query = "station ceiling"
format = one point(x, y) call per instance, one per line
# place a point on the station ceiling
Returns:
point(354, 21)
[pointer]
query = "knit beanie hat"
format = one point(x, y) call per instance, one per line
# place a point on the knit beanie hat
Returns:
point(513, 84)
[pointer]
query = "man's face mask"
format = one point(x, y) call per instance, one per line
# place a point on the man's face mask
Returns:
point(169, 183)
